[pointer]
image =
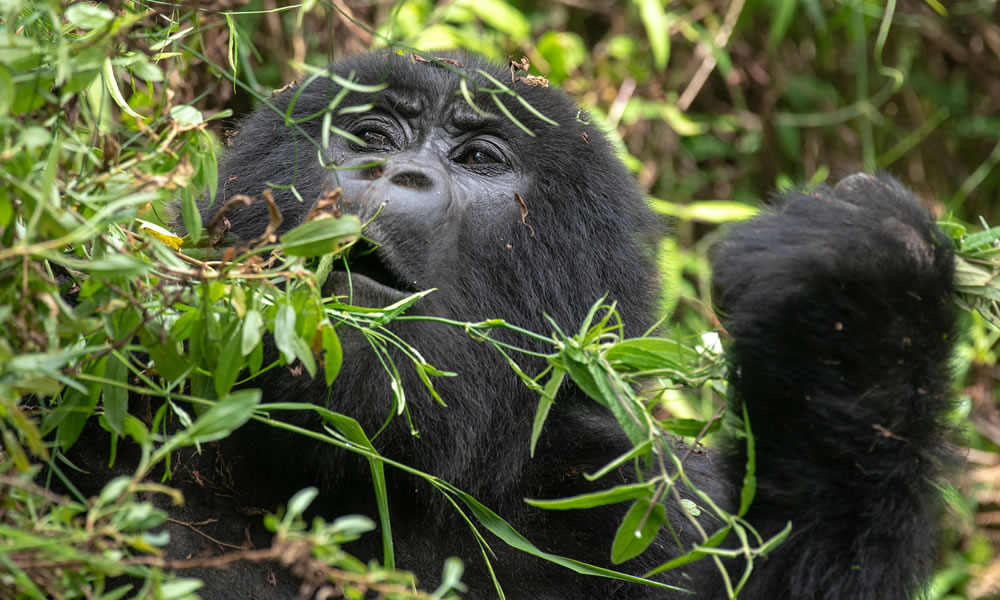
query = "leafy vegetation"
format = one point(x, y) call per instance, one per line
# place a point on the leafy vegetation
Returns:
point(110, 121)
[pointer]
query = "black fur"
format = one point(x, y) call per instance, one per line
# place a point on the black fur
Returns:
point(837, 303)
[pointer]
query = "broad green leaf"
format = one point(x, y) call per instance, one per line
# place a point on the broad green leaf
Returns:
point(224, 417)
point(321, 236)
point(301, 501)
point(252, 331)
point(89, 16)
point(689, 427)
point(638, 530)
point(284, 331)
point(646, 354)
point(186, 115)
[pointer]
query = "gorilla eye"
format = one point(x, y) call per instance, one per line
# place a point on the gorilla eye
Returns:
point(376, 140)
point(478, 156)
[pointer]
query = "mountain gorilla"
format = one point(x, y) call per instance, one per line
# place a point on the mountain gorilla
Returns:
point(837, 303)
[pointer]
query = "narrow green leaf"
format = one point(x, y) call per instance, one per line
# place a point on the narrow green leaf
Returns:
point(613, 495)
point(749, 489)
point(228, 366)
point(639, 450)
point(353, 431)
point(657, 24)
point(545, 402)
point(111, 84)
point(116, 396)
point(779, 537)
point(191, 217)
point(713, 541)
point(500, 528)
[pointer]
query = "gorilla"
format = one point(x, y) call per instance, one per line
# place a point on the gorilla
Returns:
point(836, 301)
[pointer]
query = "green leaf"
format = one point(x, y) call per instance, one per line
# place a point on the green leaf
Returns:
point(229, 365)
point(638, 530)
point(545, 402)
point(779, 537)
point(500, 15)
point(115, 266)
point(6, 91)
point(321, 236)
point(89, 16)
point(191, 216)
point(116, 395)
point(646, 354)
point(186, 115)
point(690, 427)
point(284, 331)
point(111, 84)
point(179, 589)
point(706, 211)
point(713, 541)
point(113, 489)
point(613, 495)
point(252, 331)
point(500, 528)
point(333, 356)
point(224, 417)
point(397, 308)
point(635, 452)
point(300, 502)
point(657, 24)
point(782, 18)
point(749, 489)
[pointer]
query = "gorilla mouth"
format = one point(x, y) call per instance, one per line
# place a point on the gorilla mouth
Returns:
point(366, 259)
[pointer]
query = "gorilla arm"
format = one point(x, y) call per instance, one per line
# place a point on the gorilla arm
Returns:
point(838, 306)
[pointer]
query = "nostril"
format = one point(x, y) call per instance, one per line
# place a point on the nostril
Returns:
point(415, 180)
point(373, 173)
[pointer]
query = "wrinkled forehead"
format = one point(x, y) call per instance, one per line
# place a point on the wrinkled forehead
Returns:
point(442, 92)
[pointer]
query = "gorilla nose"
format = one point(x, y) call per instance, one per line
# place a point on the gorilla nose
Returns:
point(412, 179)
point(410, 189)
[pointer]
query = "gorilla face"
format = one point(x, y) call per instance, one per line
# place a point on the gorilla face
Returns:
point(439, 176)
